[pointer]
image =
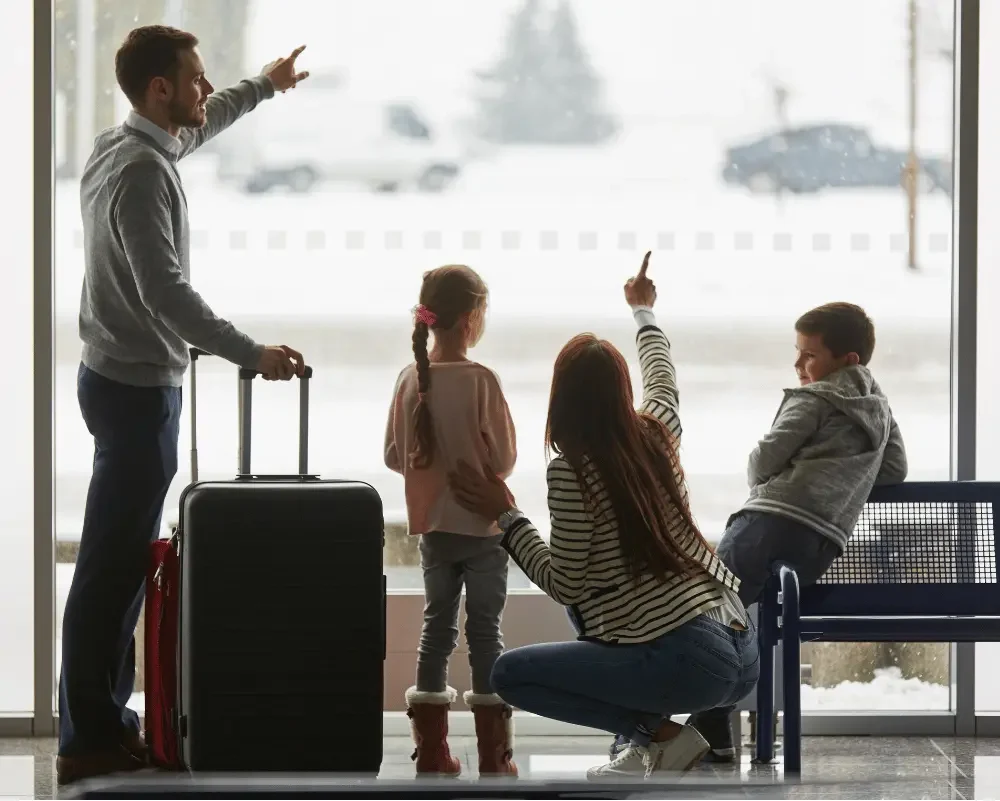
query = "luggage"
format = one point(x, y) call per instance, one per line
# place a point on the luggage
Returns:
point(161, 654)
point(280, 618)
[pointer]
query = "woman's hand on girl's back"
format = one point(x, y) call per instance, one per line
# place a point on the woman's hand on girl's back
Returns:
point(640, 290)
point(485, 495)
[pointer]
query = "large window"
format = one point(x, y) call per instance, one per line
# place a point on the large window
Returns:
point(16, 499)
point(761, 150)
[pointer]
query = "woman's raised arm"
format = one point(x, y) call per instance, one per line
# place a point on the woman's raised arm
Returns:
point(659, 381)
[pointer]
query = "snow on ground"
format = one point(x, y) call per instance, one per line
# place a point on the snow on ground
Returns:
point(887, 691)
point(724, 255)
point(554, 233)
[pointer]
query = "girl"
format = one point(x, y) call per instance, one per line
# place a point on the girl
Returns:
point(662, 630)
point(446, 408)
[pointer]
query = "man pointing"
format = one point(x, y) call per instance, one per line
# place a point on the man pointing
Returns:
point(138, 314)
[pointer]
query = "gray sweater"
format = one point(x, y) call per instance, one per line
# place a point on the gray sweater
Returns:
point(138, 310)
point(830, 443)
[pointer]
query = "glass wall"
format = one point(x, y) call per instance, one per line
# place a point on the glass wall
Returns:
point(16, 406)
point(548, 144)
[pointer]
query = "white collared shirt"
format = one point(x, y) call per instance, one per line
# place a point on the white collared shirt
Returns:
point(169, 143)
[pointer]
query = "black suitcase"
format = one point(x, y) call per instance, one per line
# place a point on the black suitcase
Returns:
point(282, 615)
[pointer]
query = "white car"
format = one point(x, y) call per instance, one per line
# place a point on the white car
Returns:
point(327, 134)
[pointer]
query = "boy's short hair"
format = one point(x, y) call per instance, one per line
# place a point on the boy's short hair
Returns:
point(843, 327)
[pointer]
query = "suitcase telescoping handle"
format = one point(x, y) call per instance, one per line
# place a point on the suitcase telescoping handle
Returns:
point(246, 377)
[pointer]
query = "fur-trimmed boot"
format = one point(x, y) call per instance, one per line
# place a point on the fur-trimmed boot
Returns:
point(428, 714)
point(494, 734)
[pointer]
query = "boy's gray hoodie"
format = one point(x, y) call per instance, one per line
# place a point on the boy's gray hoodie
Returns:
point(830, 443)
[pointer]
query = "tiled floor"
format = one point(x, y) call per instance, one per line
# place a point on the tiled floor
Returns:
point(834, 767)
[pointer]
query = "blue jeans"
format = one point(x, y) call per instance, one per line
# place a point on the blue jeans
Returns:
point(631, 689)
point(135, 432)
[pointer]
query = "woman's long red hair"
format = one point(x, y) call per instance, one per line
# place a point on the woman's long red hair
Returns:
point(593, 424)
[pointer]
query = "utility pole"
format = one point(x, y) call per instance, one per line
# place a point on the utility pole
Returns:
point(912, 173)
point(781, 104)
point(780, 94)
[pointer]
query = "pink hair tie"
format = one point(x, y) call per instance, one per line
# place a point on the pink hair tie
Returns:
point(421, 396)
point(425, 316)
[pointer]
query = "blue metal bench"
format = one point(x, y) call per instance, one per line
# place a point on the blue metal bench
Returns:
point(920, 567)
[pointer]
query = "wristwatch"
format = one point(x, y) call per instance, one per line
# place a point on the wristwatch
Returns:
point(508, 518)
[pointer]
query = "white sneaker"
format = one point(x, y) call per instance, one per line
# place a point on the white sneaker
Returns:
point(631, 763)
point(676, 755)
point(680, 754)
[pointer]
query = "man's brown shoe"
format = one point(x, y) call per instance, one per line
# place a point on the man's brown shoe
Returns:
point(103, 763)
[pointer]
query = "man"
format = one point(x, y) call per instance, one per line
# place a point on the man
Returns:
point(138, 313)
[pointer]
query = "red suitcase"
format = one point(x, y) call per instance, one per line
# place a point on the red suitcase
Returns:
point(162, 596)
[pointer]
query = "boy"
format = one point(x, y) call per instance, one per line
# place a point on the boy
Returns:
point(833, 439)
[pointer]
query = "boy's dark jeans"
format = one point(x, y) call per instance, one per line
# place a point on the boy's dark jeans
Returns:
point(756, 540)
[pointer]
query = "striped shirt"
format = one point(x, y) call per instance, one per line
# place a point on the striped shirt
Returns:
point(583, 567)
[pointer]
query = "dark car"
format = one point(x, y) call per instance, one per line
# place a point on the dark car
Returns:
point(818, 157)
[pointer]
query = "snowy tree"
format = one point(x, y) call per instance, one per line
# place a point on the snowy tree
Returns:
point(543, 89)
point(574, 88)
point(513, 99)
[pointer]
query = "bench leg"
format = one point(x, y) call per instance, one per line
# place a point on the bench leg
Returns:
point(791, 658)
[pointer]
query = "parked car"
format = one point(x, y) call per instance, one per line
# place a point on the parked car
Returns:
point(817, 157)
point(328, 134)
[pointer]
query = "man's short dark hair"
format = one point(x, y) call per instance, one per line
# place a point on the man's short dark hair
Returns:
point(843, 327)
point(152, 51)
